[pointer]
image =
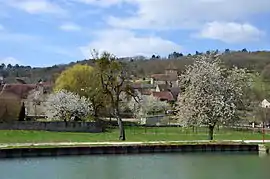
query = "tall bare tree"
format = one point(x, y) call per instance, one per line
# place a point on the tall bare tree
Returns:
point(114, 78)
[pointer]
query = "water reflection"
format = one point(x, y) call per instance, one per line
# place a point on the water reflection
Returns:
point(156, 166)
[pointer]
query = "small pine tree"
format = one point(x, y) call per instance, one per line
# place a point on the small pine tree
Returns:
point(22, 113)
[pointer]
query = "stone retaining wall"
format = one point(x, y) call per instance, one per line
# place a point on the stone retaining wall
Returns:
point(125, 149)
point(53, 126)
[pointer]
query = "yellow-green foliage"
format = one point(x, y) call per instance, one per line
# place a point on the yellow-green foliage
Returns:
point(83, 80)
point(74, 78)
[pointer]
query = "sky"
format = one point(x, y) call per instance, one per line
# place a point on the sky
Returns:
point(46, 32)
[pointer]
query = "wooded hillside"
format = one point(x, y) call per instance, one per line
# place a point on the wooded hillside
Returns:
point(142, 67)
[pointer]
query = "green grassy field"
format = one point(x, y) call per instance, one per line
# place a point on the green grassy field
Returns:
point(132, 134)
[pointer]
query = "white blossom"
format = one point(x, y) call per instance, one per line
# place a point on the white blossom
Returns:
point(63, 105)
point(212, 93)
point(147, 105)
point(35, 96)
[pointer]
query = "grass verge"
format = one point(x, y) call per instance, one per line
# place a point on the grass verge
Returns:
point(133, 134)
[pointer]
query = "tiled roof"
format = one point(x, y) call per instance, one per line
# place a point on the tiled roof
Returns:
point(20, 90)
point(144, 91)
point(164, 95)
point(164, 77)
point(163, 87)
point(142, 86)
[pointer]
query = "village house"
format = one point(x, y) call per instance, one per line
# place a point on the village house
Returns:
point(12, 96)
point(165, 86)
point(143, 88)
point(169, 78)
point(35, 101)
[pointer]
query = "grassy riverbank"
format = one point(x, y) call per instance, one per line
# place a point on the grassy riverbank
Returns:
point(132, 133)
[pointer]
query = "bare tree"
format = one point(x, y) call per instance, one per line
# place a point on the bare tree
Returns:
point(114, 78)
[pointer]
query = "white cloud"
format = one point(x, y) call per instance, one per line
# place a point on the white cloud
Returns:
point(126, 43)
point(230, 32)
point(9, 60)
point(70, 27)
point(36, 6)
point(161, 14)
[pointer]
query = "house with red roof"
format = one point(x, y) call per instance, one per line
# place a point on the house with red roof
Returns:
point(170, 77)
point(12, 96)
point(164, 96)
point(162, 86)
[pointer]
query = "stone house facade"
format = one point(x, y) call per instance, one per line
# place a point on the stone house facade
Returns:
point(170, 77)
point(12, 96)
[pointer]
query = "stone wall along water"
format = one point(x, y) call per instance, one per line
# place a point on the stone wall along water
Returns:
point(92, 127)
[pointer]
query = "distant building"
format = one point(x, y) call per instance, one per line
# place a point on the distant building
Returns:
point(164, 96)
point(265, 104)
point(143, 88)
point(170, 77)
point(165, 86)
point(13, 95)
point(35, 101)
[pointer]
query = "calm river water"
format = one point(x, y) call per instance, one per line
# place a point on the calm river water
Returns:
point(157, 166)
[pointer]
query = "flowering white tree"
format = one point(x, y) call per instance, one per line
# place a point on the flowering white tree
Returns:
point(212, 94)
point(34, 102)
point(147, 105)
point(64, 105)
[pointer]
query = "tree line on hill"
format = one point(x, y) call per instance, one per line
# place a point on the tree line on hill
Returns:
point(142, 67)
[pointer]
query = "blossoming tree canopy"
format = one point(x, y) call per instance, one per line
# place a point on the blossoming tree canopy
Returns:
point(212, 93)
point(63, 105)
point(83, 80)
point(147, 105)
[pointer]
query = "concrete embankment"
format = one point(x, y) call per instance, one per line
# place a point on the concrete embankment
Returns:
point(126, 149)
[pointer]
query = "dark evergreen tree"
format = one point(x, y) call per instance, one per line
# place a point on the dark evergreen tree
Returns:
point(22, 113)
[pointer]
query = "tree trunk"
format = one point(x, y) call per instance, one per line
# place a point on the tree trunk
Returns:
point(211, 132)
point(65, 121)
point(95, 114)
point(96, 111)
point(122, 135)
